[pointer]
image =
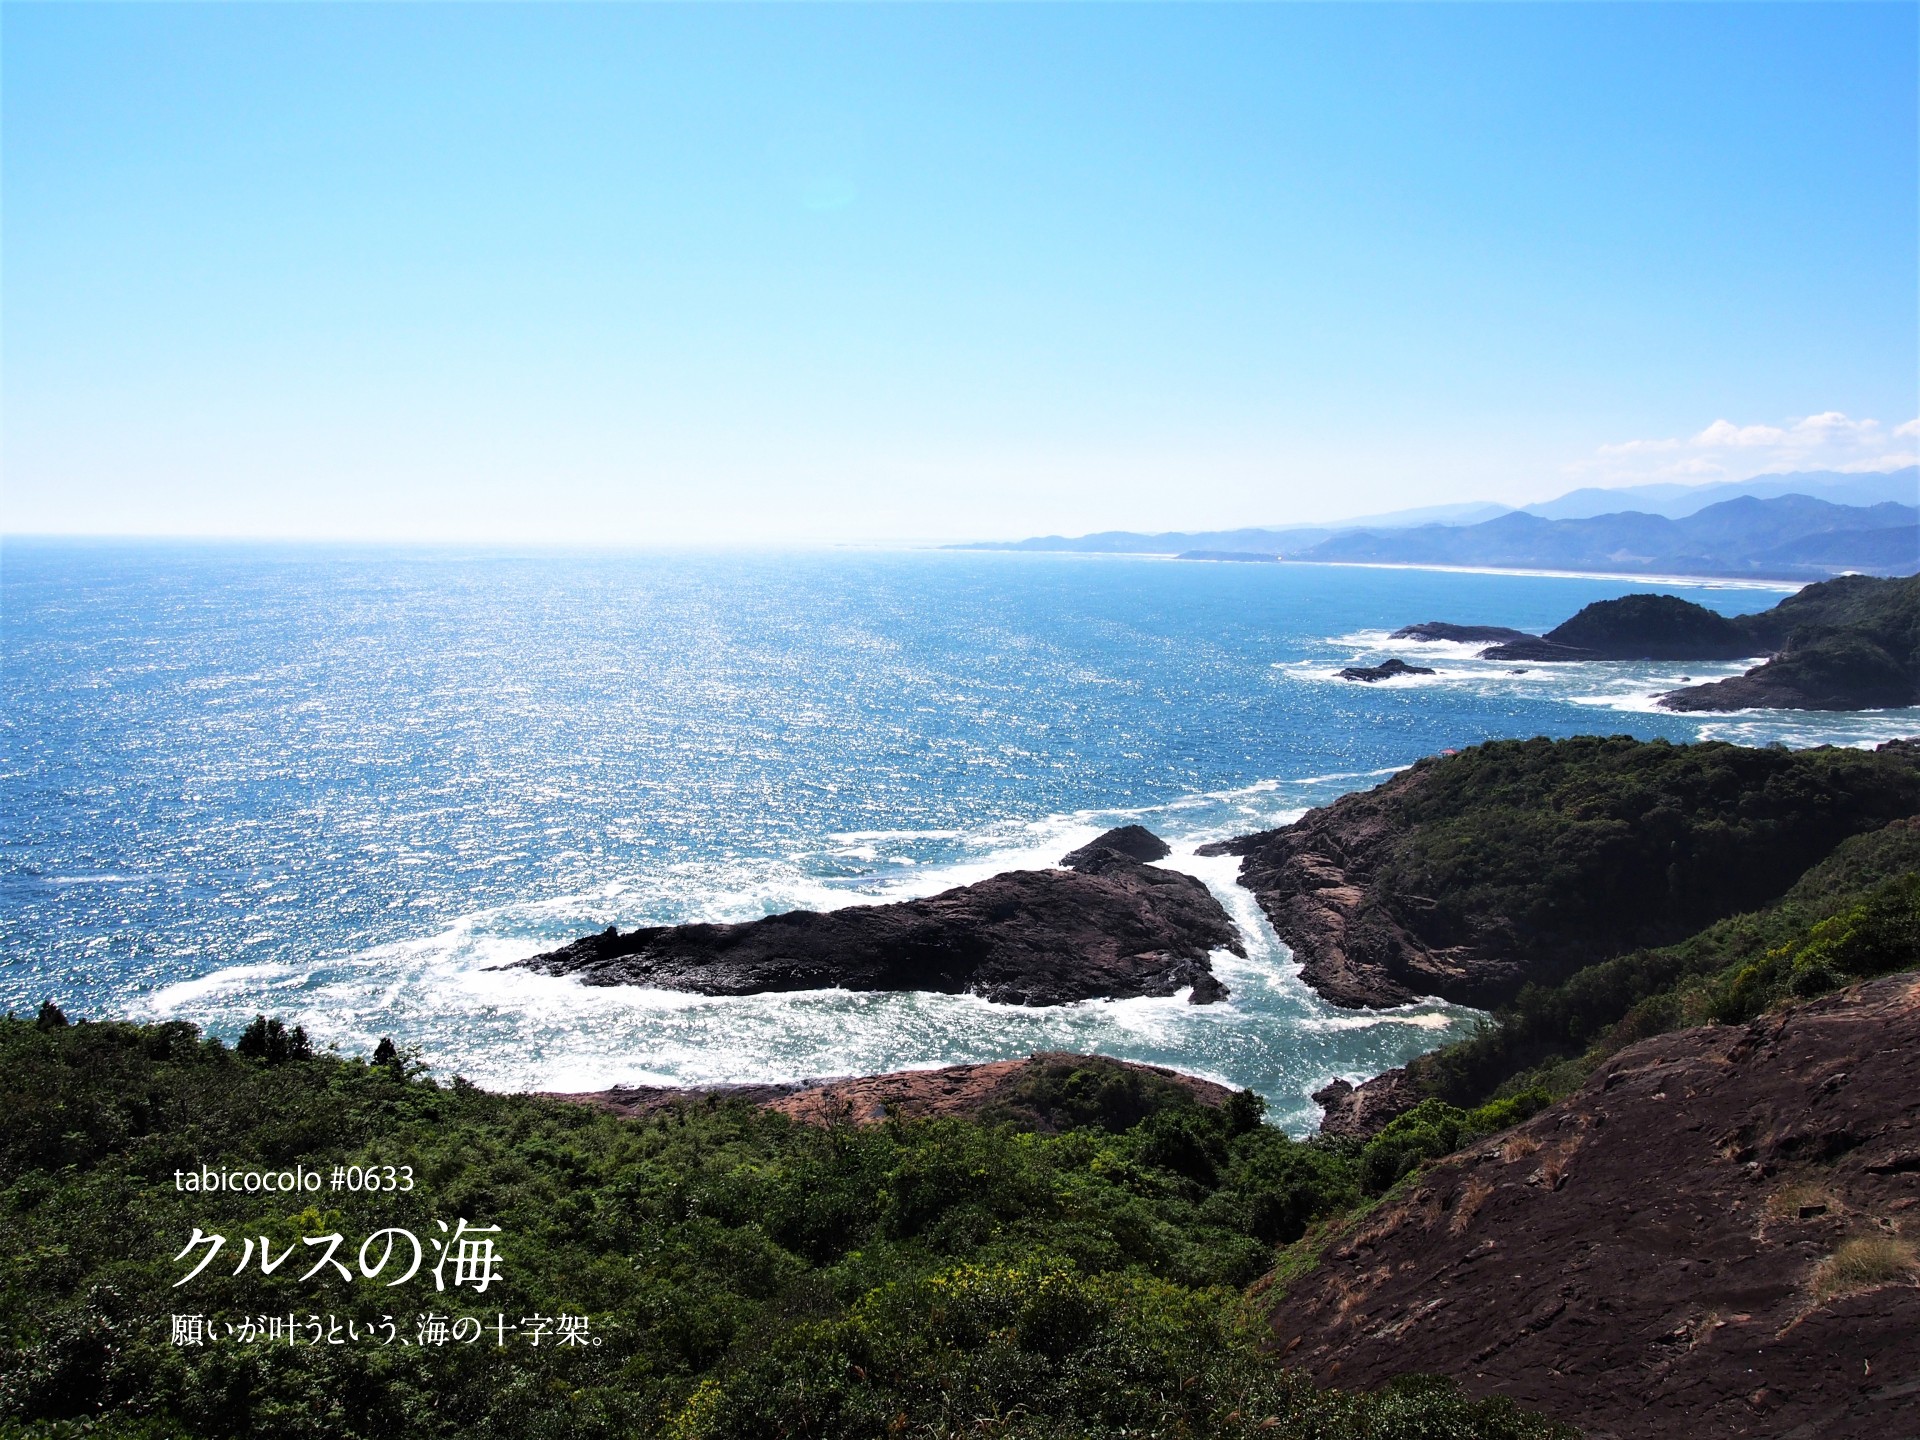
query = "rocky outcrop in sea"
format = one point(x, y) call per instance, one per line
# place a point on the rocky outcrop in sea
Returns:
point(1110, 927)
point(1385, 670)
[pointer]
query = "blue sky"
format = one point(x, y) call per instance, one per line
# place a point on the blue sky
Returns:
point(660, 274)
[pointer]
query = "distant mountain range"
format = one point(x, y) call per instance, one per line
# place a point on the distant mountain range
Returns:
point(1791, 535)
point(1677, 502)
point(1771, 527)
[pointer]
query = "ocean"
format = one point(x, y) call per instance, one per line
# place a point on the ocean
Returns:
point(340, 785)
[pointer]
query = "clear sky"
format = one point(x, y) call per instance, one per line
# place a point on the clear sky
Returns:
point(662, 274)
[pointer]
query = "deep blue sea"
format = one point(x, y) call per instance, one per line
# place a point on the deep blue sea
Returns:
point(338, 785)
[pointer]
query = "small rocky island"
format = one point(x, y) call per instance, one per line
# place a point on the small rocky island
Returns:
point(1439, 630)
point(1107, 926)
point(1386, 670)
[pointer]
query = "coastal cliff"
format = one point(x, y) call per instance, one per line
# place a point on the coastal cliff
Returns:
point(1851, 644)
point(1110, 927)
point(1516, 862)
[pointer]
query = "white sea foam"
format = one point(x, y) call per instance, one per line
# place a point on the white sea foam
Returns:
point(1423, 1019)
point(234, 978)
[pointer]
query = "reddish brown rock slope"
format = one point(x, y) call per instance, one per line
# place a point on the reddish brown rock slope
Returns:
point(1645, 1258)
point(1012, 1089)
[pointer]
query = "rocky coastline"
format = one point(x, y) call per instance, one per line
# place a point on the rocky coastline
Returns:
point(1424, 886)
point(1826, 672)
point(1440, 630)
point(1852, 643)
point(1677, 1227)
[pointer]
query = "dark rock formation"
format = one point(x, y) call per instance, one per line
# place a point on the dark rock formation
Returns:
point(1841, 672)
point(1311, 879)
point(1536, 648)
point(1047, 1092)
point(1386, 670)
point(1028, 937)
point(1128, 842)
point(1359, 1112)
point(1850, 644)
point(1651, 1257)
point(1654, 627)
point(1466, 634)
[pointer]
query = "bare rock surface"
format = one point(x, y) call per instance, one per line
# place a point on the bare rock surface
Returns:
point(1359, 1112)
point(1311, 878)
point(1421, 887)
point(1432, 630)
point(1829, 673)
point(1654, 1256)
point(1539, 649)
point(1130, 842)
point(1113, 928)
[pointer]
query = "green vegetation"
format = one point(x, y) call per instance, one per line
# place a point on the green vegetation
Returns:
point(1853, 916)
point(1865, 1263)
point(1838, 666)
point(1881, 613)
point(1654, 627)
point(745, 1275)
point(1563, 854)
point(1847, 644)
point(1885, 612)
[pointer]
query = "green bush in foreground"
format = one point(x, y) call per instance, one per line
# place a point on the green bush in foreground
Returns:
point(742, 1275)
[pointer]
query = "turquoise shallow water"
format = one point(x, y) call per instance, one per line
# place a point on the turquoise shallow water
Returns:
point(338, 784)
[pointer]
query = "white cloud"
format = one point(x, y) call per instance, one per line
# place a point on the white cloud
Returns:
point(1724, 450)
